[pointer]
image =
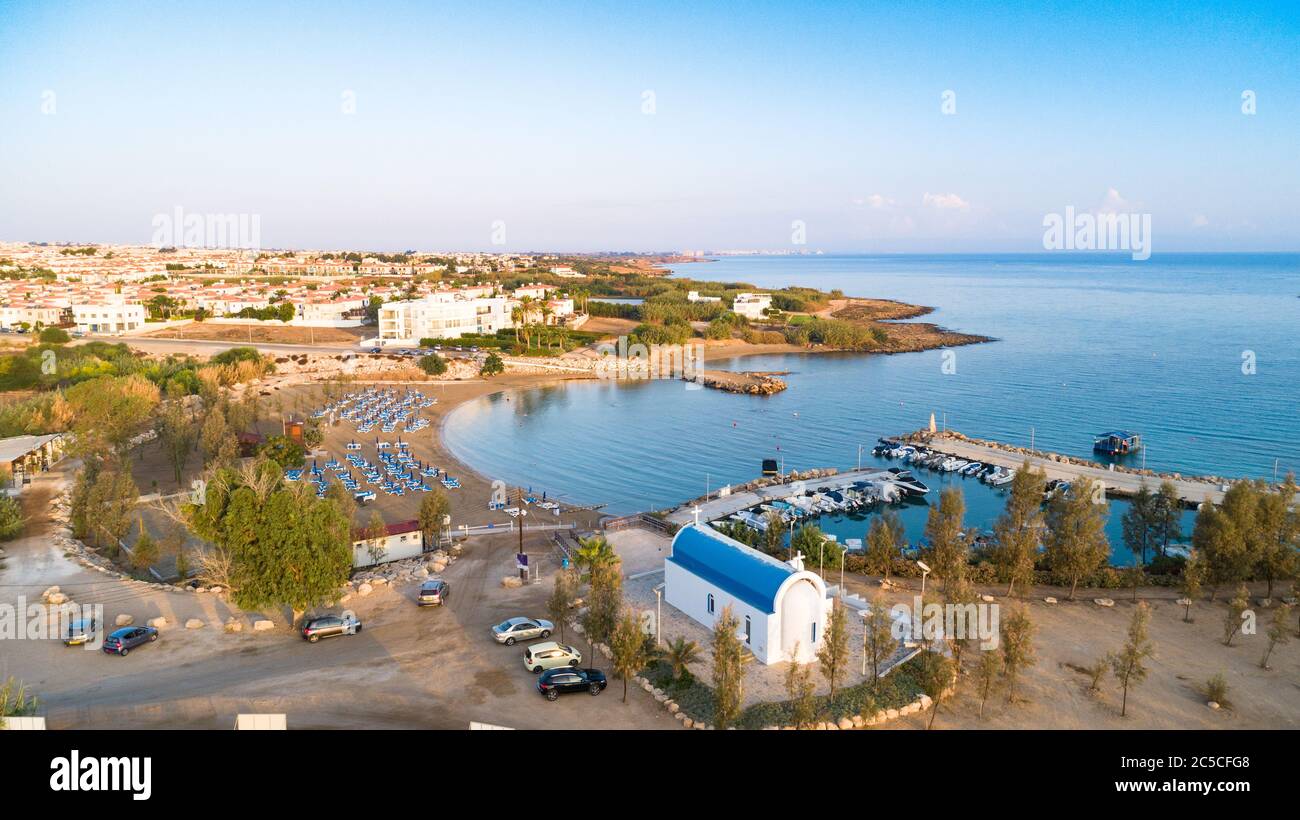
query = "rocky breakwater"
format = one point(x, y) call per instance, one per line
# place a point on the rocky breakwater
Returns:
point(751, 383)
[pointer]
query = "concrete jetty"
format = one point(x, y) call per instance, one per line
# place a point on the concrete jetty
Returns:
point(1192, 491)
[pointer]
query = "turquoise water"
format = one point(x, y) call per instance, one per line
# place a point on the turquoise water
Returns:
point(1084, 344)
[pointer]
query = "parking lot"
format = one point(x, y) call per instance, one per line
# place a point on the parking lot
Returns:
point(410, 667)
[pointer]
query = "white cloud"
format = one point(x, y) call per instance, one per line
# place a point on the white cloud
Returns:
point(1113, 203)
point(945, 202)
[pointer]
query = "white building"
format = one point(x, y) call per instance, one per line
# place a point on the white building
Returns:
point(110, 316)
point(752, 305)
point(694, 296)
point(778, 605)
point(401, 541)
point(440, 316)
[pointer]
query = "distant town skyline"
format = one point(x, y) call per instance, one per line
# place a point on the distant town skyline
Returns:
point(950, 128)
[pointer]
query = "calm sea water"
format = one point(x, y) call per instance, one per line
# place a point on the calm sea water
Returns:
point(1084, 344)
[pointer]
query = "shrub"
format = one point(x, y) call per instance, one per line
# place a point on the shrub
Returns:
point(433, 364)
point(54, 336)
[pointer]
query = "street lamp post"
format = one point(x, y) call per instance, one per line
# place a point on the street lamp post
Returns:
point(864, 613)
point(659, 614)
point(924, 572)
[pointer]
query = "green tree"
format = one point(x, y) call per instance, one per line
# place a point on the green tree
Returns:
point(935, 674)
point(1190, 586)
point(729, 658)
point(1139, 522)
point(1233, 619)
point(1166, 519)
point(881, 548)
point(1019, 530)
point(11, 518)
point(801, 693)
point(285, 546)
point(833, 656)
point(880, 637)
point(986, 676)
point(492, 366)
point(433, 364)
point(815, 546)
point(54, 336)
point(108, 412)
point(376, 537)
point(592, 553)
point(604, 603)
point(1216, 539)
point(284, 451)
point(176, 436)
point(1129, 664)
point(1279, 528)
point(146, 551)
point(1017, 642)
point(214, 435)
point(680, 655)
point(562, 605)
point(1279, 632)
point(434, 507)
point(949, 550)
point(774, 533)
point(1076, 544)
point(628, 648)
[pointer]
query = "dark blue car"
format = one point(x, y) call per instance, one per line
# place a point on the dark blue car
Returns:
point(129, 637)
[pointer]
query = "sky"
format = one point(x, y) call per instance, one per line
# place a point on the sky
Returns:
point(854, 127)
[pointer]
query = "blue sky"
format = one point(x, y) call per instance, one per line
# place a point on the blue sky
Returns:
point(533, 114)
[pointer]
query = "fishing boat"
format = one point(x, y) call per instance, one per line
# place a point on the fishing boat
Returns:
point(1006, 478)
point(1117, 443)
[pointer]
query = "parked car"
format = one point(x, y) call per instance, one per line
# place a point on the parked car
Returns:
point(433, 592)
point(542, 656)
point(127, 638)
point(329, 626)
point(521, 629)
point(558, 682)
point(80, 631)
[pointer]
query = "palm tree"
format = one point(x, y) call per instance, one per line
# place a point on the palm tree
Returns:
point(680, 654)
point(594, 552)
point(517, 319)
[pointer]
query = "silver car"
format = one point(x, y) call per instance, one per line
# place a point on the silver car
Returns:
point(521, 629)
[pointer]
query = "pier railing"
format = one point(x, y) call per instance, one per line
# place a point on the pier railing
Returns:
point(640, 519)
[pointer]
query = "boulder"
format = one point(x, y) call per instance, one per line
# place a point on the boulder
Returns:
point(57, 598)
point(1108, 602)
point(158, 623)
point(233, 625)
point(988, 599)
point(1212, 705)
point(925, 701)
point(437, 566)
point(673, 708)
point(1049, 600)
point(365, 589)
point(422, 573)
point(262, 625)
point(845, 723)
point(891, 714)
point(511, 582)
point(45, 596)
point(687, 722)
point(124, 620)
point(194, 623)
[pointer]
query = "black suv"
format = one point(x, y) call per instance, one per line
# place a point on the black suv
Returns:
point(555, 682)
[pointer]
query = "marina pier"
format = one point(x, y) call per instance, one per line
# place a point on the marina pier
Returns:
point(1192, 491)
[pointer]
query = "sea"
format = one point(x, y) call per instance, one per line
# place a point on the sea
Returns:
point(1199, 353)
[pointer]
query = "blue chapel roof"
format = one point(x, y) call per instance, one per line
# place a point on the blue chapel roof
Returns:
point(744, 572)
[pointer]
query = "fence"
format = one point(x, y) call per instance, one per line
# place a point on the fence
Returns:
point(639, 520)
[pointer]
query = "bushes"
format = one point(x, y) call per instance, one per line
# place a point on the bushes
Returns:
point(55, 336)
point(672, 334)
point(11, 518)
point(433, 364)
point(764, 337)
